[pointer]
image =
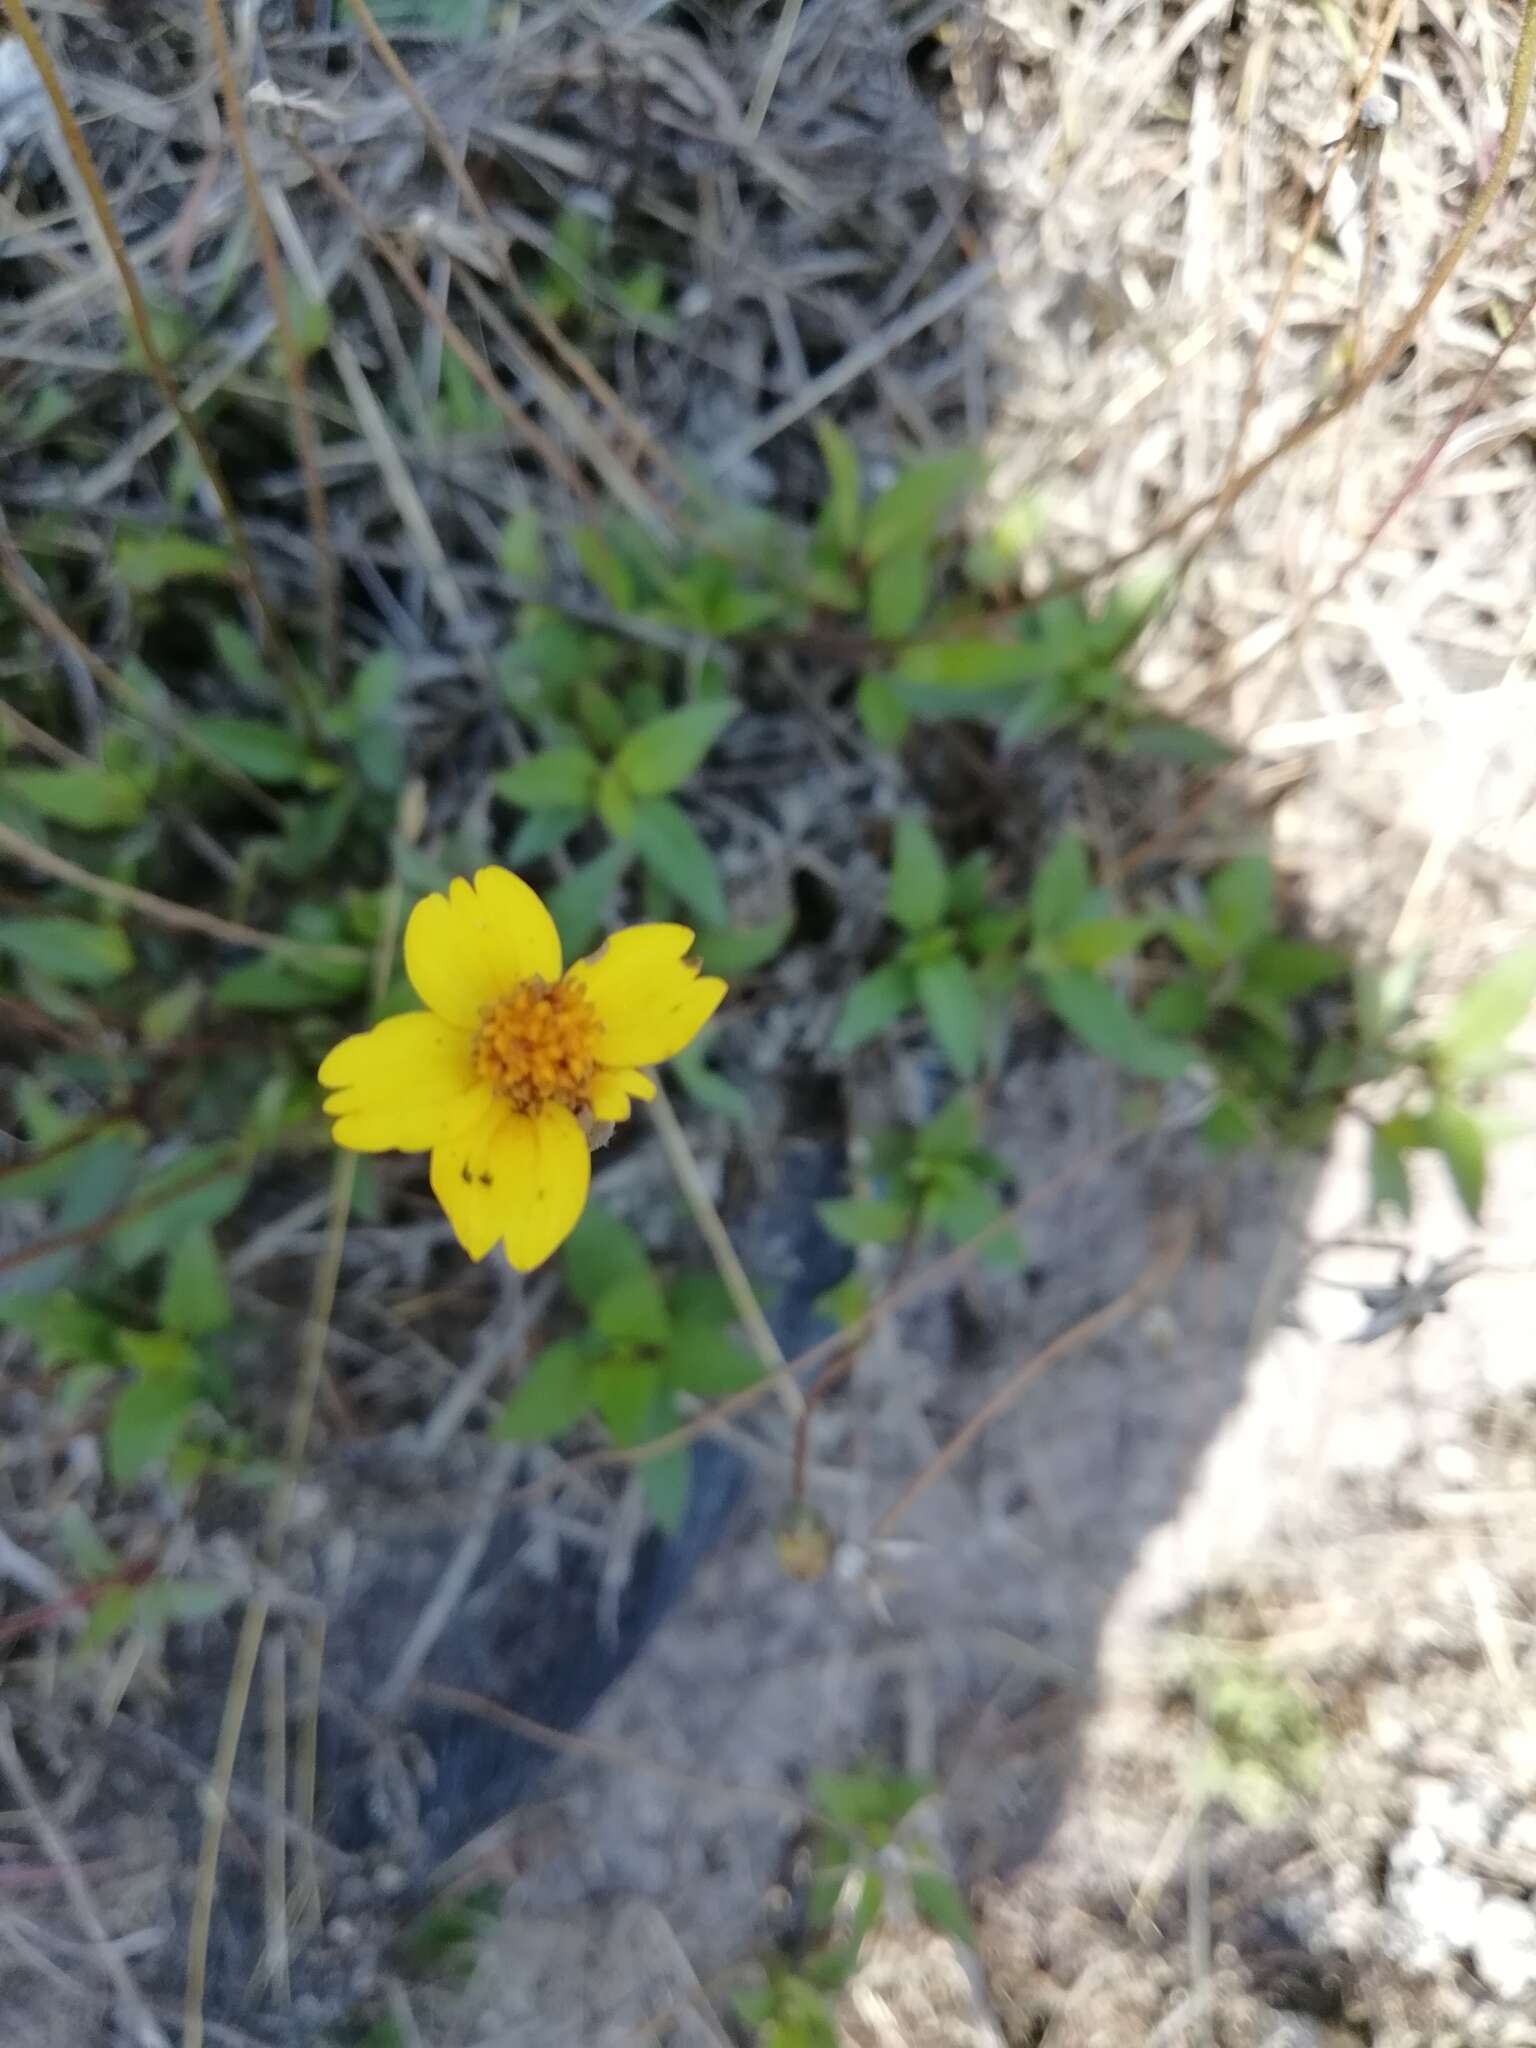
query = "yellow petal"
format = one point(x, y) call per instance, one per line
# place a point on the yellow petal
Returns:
point(465, 949)
point(397, 1087)
point(612, 1088)
point(650, 1000)
point(519, 1178)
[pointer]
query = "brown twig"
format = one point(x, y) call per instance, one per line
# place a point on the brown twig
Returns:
point(149, 2032)
point(161, 910)
point(306, 432)
point(1154, 1276)
point(511, 412)
point(139, 314)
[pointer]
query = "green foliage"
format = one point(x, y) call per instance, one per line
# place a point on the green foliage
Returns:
point(1267, 1745)
point(940, 1179)
point(646, 1348)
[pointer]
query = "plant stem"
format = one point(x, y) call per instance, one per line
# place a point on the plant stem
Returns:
point(685, 1171)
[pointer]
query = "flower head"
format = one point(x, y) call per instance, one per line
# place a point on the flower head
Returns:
point(505, 1073)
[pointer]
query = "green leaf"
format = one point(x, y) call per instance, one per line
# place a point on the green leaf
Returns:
point(1179, 1009)
point(974, 664)
point(1485, 1014)
point(278, 985)
point(267, 753)
point(951, 1001)
point(1241, 897)
point(671, 848)
point(707, 1362)
point(882, 713)
point(540, 833)
point(605, 566)
point(942, 1906)
point(632, 1310)
point(89, 798)
point(551, 780)
point(711, 1090)
point(143, 563)
point(520, 550)
point(1458, 1138)
point(579, 901)
point(147, 1422)
point(840, 515)
point(873, 1005)
point(857, 1220)
point(898, 592)
point(908, 514)
point(1098, 940)
point(1100, 1017)
point(1166, 739)
point(192, 1192)
point(1389, 1173)
point(194, 1298)
point(600, 1254)
point(67, 949)
point(664, 1481)
point(625, 1393)
point(1061, 886)
point(744, 948)
point(863, 1800)
point(919, 884)
point(551, 1397)
point(663, 754)
point(111, 1612)
point(1288, 968)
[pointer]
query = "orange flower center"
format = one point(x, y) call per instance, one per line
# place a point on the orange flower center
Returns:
point(538, 1045)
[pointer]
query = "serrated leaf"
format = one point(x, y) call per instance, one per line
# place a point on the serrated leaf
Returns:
point(615, 802)
point(974, 664)
point(857, 1219)
point(142, 563)
point(1241, 898)
point(840, 513)
point(267, 753)
point(918, 890)
point(279, 986)
point(708, 1362)
point(551, 1397)
point(580, 901)
point(744, 948)
point(1458, 1138)
point(873, 1005)
point(898, 593)
point(951, 1002)
point(67, 949)
point(557, 778)
point(520, 549)
point(605, 566)
point(1101, 1018)
point(1098, 940)
point(1487, 1012)
point(664, 1482)
point(193, 1191)
point(600, 1253)
point(632, 1309)
point(624, 1391)
point(1060, 887)
point(882, 713)
point(907, 515)
point(89, 798)
point(662, 755)
point(941, 1905)
point(195, 1298)
point(671, 848)
point(711, 1090)
point(147, 1422)
point(1389, 1173)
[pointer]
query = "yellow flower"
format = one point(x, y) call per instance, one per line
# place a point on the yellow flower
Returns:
point(502, 1076)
